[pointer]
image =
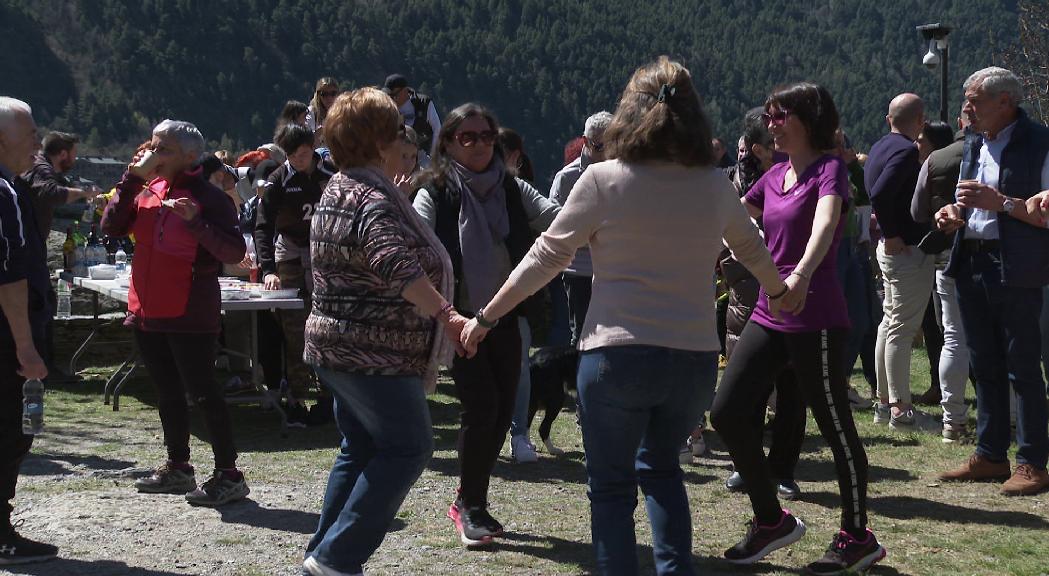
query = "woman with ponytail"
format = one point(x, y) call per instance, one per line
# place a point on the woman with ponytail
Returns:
point(654, 218)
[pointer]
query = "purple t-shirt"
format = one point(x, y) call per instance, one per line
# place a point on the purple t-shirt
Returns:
point(787, 218)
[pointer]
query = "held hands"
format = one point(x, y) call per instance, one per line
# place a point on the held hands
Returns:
point(454, 325)
point(473, 334)
point(271, 282)
point(973, 194)
point(797, 291)
point(949, 218)
point(1038, 205)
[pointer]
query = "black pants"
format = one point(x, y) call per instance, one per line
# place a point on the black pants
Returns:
point(487, 388)
point(271, 348)
point(13, 444)
point(181, 363)
point(788, 429)
point(817, 359)
point(579, 289)
point(933, 336)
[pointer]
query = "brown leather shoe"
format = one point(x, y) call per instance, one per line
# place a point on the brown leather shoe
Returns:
point(1025, 481)
point(977, 469)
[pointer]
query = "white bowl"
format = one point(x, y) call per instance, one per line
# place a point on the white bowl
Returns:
point(102, 272)
point(284, 294)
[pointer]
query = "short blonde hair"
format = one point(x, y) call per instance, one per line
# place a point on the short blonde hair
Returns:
point(359, 124)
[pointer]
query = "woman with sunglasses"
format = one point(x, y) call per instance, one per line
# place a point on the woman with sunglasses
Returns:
point(801, 203)
point(655, 218)
point(324, 95)
point(487, 220)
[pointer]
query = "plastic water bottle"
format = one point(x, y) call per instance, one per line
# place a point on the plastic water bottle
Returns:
point(32, 407)
point(120, 259)
point(65, 306)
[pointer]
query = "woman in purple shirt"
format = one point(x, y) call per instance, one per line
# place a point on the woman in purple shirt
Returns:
point(800, 202)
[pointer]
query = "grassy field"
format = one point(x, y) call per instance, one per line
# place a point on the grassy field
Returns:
point(77, 492)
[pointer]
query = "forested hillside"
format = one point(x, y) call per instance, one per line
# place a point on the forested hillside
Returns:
point(109, 69)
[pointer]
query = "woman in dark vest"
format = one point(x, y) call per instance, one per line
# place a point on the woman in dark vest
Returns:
point(487, 220)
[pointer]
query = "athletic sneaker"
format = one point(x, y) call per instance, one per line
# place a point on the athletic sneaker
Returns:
point(522, 450)
point(760, 540)
point(882, 413)
point(847, 555)
point(953, 433)
point(698, 446)
point(788, 489)
point(17, 549)
point(313, 567)
point(855, 401)
point(298, 416)
point(169, 478)
point(482, 517)
point(469, 524)
point(735, 483)
point(684, 455)
point(222, 488)
point(914, 421)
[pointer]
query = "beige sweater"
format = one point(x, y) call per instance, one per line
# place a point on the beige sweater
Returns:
point(655, 231)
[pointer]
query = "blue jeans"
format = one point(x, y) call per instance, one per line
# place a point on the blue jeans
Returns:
point(387, 440)
point(1001, 325)
point(637, 404)
point(560, 332)
point(519, 423)
point(856, 278)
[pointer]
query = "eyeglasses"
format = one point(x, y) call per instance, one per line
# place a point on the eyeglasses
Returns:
point(777, 118)
point(469, 138)
point(328, 93)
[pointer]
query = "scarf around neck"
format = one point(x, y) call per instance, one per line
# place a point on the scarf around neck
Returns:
point(484, 225)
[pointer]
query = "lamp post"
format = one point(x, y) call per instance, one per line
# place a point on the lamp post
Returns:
point(938, 55)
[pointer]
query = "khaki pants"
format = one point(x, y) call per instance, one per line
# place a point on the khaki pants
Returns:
point(909, 279)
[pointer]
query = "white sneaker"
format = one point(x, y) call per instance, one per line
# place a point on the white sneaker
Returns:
point(684, 456)
point(882, 413)
point(914, 421)
point(698, 446)
point(315, 568)
point(522, 450)
point(953, 433)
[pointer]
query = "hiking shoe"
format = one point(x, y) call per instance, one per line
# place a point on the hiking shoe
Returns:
point(847, 555)
point(735, 483)
point(882, 413)
point(221, 488)
point(169, 478)
point(698, 446)
point(914, 421)
point(788, 489)
point(17, 549)
point(298, 416)
point(523, 452)
point(1026, 480)
point(760, 540)
point(471, 532)
point(952, 433)
point(313, 567)
point(977, 469)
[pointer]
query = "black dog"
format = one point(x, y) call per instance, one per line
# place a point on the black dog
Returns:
point(553, 370)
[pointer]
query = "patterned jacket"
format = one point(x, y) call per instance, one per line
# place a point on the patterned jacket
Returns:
point(364, 252)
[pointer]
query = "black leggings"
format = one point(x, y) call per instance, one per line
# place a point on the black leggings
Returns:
point(487, 388)
point(181, 363)
point(788, 429)
point(817, 359)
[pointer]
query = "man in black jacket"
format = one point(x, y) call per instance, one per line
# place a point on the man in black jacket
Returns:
point(417, 110)
point(23, 312)
point(890, 174)
point(1000, 262)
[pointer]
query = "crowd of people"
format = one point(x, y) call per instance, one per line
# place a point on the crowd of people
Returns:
point(418, 244)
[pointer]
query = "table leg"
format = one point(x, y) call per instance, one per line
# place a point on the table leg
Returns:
point(94, 330)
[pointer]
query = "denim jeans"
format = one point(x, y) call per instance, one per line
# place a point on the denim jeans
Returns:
point(519, 423)
point(857, 281)
point(560, 333)
point(387, 440)
point(1005, 345)
point(637, 403)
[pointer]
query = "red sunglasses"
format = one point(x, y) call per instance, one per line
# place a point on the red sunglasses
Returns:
point(469, 138)
point(777, 118)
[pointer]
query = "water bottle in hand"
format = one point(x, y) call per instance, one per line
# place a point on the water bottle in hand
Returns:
point(65, 306)
point(32, 407)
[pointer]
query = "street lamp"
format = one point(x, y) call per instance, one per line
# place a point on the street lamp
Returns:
point(938, 54)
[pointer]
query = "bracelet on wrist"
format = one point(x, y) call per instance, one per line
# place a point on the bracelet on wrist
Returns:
point(781, 293)
point(484, 322)
point(800, 275)
point(444, 310)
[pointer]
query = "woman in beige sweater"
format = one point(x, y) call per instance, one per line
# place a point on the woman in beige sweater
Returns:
point(654, 219)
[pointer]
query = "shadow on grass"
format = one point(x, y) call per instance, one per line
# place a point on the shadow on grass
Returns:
point(249, 513)
point(45, 464)
point(909, 508)
point(75, 567)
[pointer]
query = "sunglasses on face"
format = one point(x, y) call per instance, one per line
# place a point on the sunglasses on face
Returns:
point(469, 138)
point(777, 118)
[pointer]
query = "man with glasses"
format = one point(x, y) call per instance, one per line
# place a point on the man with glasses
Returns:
point(909, 274)
point(580, 274)
point(417, 110)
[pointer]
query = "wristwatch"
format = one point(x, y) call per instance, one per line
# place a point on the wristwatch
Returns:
point(1008, 205)
point(484, 322)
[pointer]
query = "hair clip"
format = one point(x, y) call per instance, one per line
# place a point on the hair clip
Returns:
point(665, 91)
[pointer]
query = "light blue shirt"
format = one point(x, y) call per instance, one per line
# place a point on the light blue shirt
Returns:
point(983, 224)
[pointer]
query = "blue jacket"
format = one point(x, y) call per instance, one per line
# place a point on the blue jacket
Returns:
point(1024, 248)
point(890, 174)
